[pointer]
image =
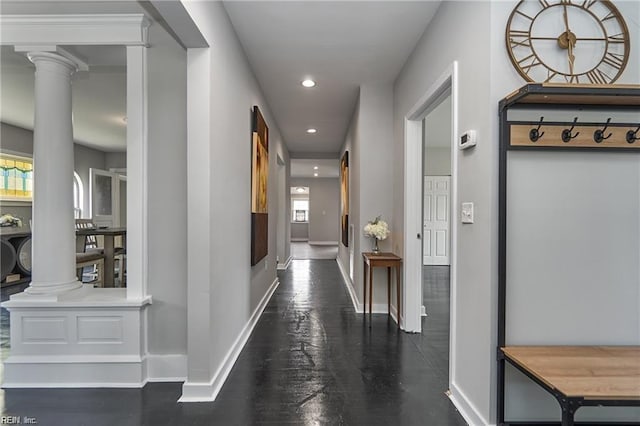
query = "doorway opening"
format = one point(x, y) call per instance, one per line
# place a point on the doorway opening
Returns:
point(436, 235)
point(430, 207)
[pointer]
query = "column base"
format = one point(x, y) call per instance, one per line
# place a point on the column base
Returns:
point(49, 292)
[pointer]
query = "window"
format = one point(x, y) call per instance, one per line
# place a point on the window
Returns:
point(16, 178)
point(300, 210)
point(78, 196)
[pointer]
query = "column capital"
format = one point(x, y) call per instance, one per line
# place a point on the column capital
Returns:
point(53, 53)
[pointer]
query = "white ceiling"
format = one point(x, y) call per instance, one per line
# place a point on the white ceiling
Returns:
point(339, 44)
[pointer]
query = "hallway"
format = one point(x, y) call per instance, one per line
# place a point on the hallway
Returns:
point(306, 251)
point(310, 360)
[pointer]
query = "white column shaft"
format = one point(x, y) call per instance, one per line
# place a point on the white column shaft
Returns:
point(53, 239)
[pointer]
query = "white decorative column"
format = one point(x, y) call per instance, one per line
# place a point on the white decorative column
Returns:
point(53, 239)
point(64, 334)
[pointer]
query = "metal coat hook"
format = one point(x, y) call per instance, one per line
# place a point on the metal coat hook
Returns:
point(632, 135)
point(535, 134)
point(566, 133)
point(598, 135)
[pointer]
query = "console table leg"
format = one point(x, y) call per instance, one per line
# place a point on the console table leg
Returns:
point(364, 288)
point(398, 303)
point(370, 291)
point(389, 290)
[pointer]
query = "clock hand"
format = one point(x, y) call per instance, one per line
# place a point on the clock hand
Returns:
point(572, 57)
point(570, 43)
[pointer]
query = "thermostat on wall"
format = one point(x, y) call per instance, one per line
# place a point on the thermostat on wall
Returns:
point(467, 139)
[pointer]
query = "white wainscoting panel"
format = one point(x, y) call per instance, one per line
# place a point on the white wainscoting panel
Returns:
point(87, 338)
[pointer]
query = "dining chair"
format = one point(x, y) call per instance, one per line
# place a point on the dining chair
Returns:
point(90, 262)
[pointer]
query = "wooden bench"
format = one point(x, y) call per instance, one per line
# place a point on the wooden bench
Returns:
point(580, 376)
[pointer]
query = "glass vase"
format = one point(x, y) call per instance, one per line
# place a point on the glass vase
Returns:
point(375, 245)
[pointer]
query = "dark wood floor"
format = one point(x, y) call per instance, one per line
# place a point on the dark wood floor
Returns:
point(310, 360)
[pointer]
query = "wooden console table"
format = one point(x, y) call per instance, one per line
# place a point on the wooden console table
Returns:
point(388, 260)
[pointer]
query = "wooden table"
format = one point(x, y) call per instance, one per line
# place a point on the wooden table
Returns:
point(388, 260)
point(579, 376)
point(109, 235)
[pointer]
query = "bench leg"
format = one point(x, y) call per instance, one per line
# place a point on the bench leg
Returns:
point(569, 407)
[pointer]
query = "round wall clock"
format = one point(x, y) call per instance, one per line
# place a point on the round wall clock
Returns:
point(568, 41)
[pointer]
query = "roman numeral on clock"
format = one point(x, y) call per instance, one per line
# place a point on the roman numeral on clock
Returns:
point(614, 59)
point(597, 76)
point(534, 62)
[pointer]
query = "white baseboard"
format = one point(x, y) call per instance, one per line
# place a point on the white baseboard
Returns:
point(208, 391)
point(285, 265)
point(349, 285)
point(468, 411)
point(299, 240)
point(323, 243)
point(74, 371)
point(166, 368)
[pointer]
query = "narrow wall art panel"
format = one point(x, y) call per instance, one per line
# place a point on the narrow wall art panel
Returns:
point(344, 198)
point(259, 178)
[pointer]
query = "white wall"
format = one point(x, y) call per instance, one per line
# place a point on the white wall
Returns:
point(86, 158)
point(324, 208)
point(224, 290)
point(16, 139)
point(370, 174)
point(437, 161)
point(469, 44)
point(167, 189)
point(116, 160)
point(349, 145)
point(283, 228)
point(437, 140)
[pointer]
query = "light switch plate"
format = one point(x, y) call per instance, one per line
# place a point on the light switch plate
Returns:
point(466, 213)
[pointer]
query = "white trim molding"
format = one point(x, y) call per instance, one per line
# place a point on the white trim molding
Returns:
point(323, 243)
point(349, 285)
point(208, 391)
point(81, 29)
point(284, 266)
point(468, 411)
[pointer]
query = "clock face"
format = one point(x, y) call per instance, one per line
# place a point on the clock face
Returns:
point(568, 41)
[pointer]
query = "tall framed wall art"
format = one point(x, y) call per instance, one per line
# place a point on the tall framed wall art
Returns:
point(344, 198)
point(259, 187)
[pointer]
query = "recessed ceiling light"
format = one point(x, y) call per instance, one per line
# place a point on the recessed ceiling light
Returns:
point(311, 131)
point(315, 167)
point(308, 83)
point(315, 174)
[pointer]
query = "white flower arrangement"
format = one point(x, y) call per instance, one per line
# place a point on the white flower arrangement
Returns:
point(377, 228)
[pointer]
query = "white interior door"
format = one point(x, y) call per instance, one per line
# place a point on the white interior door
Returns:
point(436, 220)
point(104, 194)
